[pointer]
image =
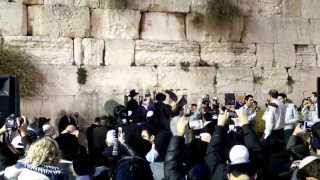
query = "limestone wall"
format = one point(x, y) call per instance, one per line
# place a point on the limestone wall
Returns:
point(120, 41)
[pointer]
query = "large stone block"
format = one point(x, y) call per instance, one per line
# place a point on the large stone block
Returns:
point(58, 20)
point(237, 80)
point(229, 54)
point(60, 79)
point(271, 78)
point(274, 78)
point(260, 29)
point(292, 30)
point(310, 8)
point(27, 2)
point(119, 52)
point(163, 26)
point(47, 106)
point(200, 27)
point(284, 55)
point(43, 50)
point(306, 56)
point(13, 19)
point(175, 78)
point(265, 55)
point(166, 53)
point(314, 31)
point(248, 7)
point(60, 2)
point(304, 82)
point(180, 6)
point(115, 24)
point(88, 51)
point(118, 80)
point(292, 8)
point(270, 7)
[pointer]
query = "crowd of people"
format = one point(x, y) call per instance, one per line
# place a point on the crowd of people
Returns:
point(165, 137)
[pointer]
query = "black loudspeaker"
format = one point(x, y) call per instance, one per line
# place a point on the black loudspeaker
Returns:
point(9, 96)
point(318, 98)
point(229, 99)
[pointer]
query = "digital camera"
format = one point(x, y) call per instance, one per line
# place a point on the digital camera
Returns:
point(13, 122)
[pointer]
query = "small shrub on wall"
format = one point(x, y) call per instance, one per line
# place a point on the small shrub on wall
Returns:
point(82, 75)
point(15, 62)
point(218, 12)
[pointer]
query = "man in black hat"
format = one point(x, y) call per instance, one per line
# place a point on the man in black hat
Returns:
point(133, 106)
point(162, 113)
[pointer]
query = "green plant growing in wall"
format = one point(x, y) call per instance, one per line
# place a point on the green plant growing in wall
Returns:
point(257, 79)
point(82, 75)
point(218, 12)
point(290, 81)
point(223, 10)
point(185, 66)
point(19, 63)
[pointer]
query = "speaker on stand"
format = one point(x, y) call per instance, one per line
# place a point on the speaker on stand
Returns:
point(9, 97)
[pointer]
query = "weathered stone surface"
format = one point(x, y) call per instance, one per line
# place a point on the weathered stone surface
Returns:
point(88, 51)
point(310, 9)
point(265, 55)
point(314, 31)
point(183, 82)
point(305, 56)
point(234, 80)
point(166, 53)
point(175, 78)
point(248, 7)
point(13, 19)
point(57, 20)
point(229, 54)
point(201, 28)
point(163, 26)
point(270, 7)
point(292, 8)
point(284, 55)
point(180, 6)
point(115, 24)
point(44, 50)
point(28, 2)
point(272, 78)
point(304, 82)
point(76, 3)
point(120, 79)
point(93, 51)
point(60, 2)
point(119, 52)
point(292, 30)
point(60, 79)
point(78, 51)
point(260, 29)
point(318, 52)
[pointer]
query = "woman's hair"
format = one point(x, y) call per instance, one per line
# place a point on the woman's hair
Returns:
point(44, 151)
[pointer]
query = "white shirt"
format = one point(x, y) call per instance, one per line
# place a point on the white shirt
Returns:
point(250, 112)
point(292, 116)
point(274, 117)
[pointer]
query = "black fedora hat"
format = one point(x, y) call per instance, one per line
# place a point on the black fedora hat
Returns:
point(133, 93)
point(172, 95)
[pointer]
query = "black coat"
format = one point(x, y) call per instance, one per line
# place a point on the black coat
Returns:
point(216, 155)
point(162, 116)
point(217, 152)
point(65, 121)
point(96, 136)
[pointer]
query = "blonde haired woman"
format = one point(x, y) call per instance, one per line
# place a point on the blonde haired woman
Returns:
point(40, 163)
